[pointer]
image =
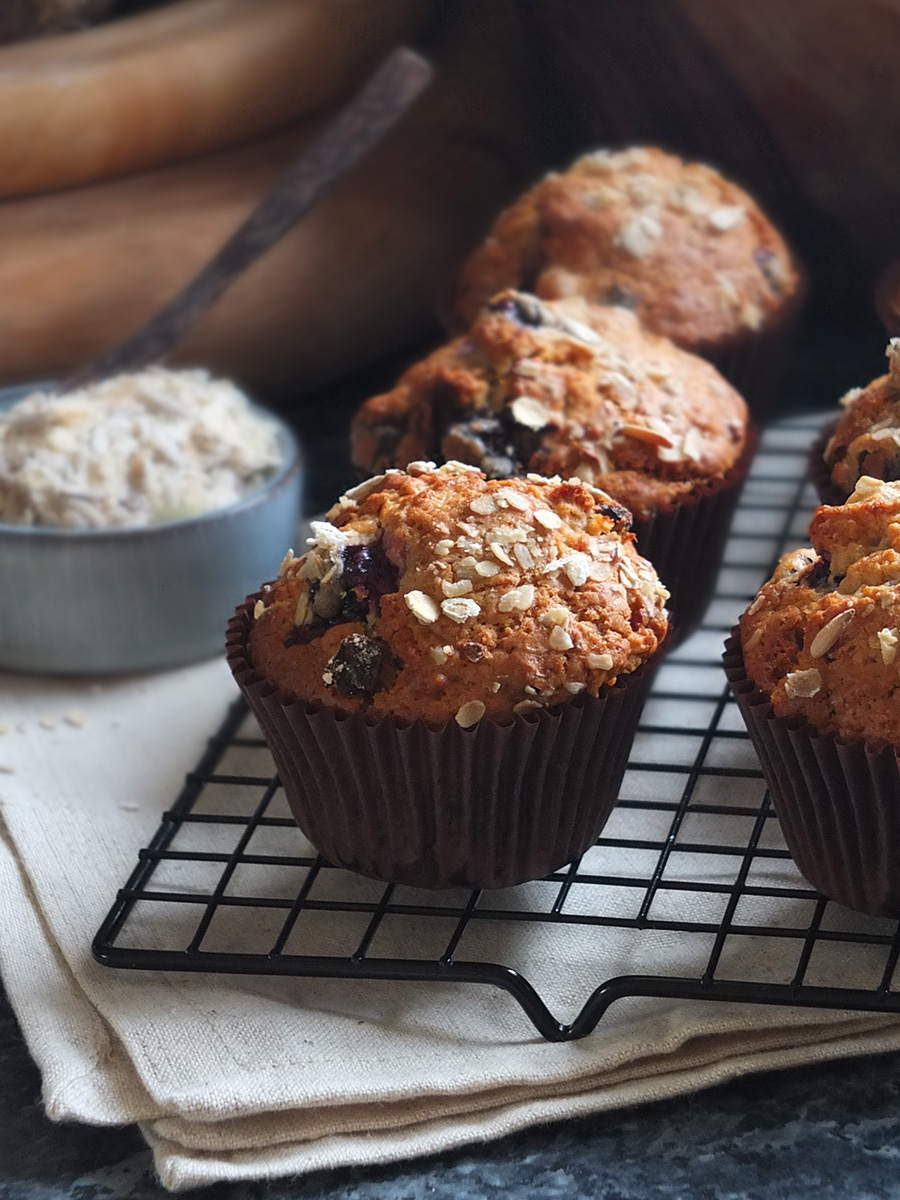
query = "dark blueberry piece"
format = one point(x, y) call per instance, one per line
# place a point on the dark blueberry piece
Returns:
point(498, 466)
point(616, 513)
point(484, 441)
point(462, 442)
point(368, 574)
point(764, 259)
point(636, 615)
point(301, 634)
point(817, 574)
point(523, 309)
point(357, 664)
point(622, 297)
point(526, 443)
point(353, 608)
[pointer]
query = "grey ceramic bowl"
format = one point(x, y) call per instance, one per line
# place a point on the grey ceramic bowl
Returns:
point(112, 600)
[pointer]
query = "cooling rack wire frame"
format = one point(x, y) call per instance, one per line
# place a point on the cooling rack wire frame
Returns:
point(690, 892)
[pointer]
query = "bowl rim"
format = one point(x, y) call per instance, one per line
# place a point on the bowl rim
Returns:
point(291, 465)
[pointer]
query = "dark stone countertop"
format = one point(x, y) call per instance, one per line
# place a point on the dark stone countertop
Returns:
point(812, 1133)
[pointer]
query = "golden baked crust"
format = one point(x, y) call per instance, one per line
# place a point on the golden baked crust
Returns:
point(438, 594)
point(866, 439)
point(691, 253)
point(822, 636)
point(562, 387)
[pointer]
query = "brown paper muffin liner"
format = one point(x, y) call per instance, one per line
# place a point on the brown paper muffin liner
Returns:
point(485, 807)
point(755, 361)
point(838, 801)
point(686, 543)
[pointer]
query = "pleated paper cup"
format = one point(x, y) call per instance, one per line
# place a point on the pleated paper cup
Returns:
point(486, 807)
point(838, 802)
point(686, 543)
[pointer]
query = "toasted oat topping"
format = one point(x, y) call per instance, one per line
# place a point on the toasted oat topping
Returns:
point(626, 411)
point(866, 439)
point(821, 638)
point(829, 634)
point(614, 228)
point(422, 607)
point(802, 683)
point(470, 713)
point(887, 641)
point(132, 450)
point(407, 630)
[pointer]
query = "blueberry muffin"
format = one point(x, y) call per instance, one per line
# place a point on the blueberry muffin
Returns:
point(816, 672)
point(689, 252)
point(570, 388)
point(865, 440)
point(445, 641)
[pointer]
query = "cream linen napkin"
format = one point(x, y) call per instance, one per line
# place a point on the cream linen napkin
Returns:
point(245, 1077)
point(236, 1077)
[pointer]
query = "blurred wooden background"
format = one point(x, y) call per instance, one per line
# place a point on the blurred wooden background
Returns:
point(129, 151)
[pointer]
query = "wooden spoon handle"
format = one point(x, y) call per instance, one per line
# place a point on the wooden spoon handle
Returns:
point(347, 138)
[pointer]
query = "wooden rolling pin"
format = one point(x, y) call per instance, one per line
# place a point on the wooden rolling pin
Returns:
point(181, 80)
point(81, 270)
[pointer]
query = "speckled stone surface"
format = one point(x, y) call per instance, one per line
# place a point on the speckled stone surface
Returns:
point(818, 1133)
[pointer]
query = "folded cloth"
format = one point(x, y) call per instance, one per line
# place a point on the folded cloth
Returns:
point(238, 1077)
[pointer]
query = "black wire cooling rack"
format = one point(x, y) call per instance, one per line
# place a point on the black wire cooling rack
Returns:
point(690, 892)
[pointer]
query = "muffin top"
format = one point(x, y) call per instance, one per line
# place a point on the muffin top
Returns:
point(822, 636)
point(562, 387)
point(866, 439)
point(437, 593)
point(689, 252)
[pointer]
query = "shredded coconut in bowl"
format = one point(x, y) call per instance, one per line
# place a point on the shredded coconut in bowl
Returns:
point(133, 450)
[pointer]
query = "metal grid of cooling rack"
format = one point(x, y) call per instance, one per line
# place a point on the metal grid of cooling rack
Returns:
point(690, 891)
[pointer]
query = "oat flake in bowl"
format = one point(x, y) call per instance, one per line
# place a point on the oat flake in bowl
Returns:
point(133, 450)
point(134, 527)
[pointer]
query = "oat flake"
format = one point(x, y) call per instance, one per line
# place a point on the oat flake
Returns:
point(470, 713)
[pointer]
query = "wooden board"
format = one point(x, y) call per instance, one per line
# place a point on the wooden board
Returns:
point(179, 81)
point(79, 270)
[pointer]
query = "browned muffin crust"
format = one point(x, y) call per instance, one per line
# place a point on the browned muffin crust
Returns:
point(565, 388)
point(822, 636)
point(866, 439)
point(691, 253)
point(439, 594)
